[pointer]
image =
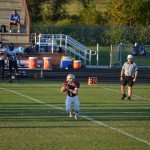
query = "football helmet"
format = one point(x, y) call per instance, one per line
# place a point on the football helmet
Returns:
point(11, 46)
point(1, 44)
point(70, 76)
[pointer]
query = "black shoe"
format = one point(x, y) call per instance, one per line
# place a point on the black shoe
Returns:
point(129, 98)
point(123, 96)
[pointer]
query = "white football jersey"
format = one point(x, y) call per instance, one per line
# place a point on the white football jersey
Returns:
point(12, 55)
point(3, 53)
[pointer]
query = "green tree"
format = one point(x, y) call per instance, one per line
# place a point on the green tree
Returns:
point(54, 10)
point(91, 17)
point(35, 10)
point(85, 3)
point(46, 11)
point(143, 13)
point(128, 12)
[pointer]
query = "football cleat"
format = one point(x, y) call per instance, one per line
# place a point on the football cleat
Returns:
point(70, 114)
point(76, 116)
point(123, 96)
point(129, 98)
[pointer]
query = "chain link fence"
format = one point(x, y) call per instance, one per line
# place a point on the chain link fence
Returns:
point(118, 55)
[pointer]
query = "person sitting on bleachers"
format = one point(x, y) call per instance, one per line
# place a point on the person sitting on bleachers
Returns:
point(14, 19)
point(3, 29)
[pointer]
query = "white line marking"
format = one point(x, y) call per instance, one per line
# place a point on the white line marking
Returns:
point(33, 99)
point(85, 117)
point(118, 130)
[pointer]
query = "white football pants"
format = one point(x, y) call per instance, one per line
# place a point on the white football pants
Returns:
point(72, 100)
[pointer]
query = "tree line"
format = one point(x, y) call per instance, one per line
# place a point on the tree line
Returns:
point(132, 13)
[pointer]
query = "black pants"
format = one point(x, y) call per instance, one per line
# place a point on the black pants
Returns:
point(129, 80)
point(11, 23)
point(13, 64)
point(2, 66)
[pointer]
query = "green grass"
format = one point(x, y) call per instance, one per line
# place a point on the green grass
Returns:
point(33, 117)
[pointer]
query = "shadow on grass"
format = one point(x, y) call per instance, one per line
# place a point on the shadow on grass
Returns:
point(33, 112)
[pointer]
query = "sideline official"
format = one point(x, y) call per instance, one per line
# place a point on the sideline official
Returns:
point(128, 76)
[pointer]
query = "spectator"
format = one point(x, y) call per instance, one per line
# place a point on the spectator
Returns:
point(3, 28)
point(60, 50)
point(14, 19)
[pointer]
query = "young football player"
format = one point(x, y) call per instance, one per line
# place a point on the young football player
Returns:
point(71, 86)
point(12, 57)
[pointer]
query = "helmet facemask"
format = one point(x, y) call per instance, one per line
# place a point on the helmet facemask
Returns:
point(11, 46)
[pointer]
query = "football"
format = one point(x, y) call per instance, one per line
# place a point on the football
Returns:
point(63, 88)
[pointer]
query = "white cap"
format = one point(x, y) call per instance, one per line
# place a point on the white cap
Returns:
point(129, 57)
point(135, 44)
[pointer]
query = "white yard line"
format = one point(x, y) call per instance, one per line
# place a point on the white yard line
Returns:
point(33, 99)
point(118, 130)
point(85, 117)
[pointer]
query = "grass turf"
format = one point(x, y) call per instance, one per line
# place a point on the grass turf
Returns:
point(33, 117)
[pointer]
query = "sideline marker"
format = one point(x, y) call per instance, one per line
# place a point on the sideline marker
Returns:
point(92, 81)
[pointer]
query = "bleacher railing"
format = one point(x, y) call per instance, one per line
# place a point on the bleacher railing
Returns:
point(53, 41)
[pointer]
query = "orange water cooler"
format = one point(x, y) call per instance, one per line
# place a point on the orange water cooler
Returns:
point(77, 64)
point(33, 62)
point(47, 63)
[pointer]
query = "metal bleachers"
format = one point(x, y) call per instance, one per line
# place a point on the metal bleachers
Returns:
point(70, 45)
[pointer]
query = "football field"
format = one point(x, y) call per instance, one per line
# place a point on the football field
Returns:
point(33, 117)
